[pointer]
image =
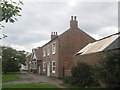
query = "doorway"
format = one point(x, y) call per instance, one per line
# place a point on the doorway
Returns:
point(39, 70)
point(48, 68)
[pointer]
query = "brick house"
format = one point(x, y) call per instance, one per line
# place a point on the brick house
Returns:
point(57, 55)
point(33, 59)
point(93, 52)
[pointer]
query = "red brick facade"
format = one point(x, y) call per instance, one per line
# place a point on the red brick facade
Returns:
point(96, 51)
point(93, 58)
point(67, 44)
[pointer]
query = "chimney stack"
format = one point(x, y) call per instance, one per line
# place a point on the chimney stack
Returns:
point(53, 35)
point(73, 23)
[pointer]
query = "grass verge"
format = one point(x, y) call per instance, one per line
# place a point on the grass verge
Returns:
point(7, 78)
point(11, 76)
point(30, 85)
point(68, 85)
point(12, 73)
point(77, 88)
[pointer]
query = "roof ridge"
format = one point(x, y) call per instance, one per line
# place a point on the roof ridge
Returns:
point(108, 36)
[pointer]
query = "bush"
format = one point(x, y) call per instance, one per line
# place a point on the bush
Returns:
point(82, 75)
point(109, 70)
point(67, 79)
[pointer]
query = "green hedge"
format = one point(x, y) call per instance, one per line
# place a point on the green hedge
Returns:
point(82, 75)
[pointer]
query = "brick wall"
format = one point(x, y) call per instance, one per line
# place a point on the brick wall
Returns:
point(92, 59)
point(71, 42)
point(50, 58)
point(67, 44)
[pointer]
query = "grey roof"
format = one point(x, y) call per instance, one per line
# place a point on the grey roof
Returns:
point(108, 43)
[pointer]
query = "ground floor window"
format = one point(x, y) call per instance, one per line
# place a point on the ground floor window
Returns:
point(44, 66)
point(34, 65)
point(53, 66)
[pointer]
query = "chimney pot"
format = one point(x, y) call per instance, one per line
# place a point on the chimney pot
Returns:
point(54, 35)
point(71, 17)
point(75, 18)
point(73, 23)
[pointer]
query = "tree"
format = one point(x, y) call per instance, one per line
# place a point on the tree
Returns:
point(109, 70)
point(21, 55)
point(11, 59)
point(9, 10)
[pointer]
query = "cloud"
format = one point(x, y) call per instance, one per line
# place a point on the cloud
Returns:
point(39, 19)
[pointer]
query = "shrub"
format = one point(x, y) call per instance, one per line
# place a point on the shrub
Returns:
point(67, 79)
point(109, 70)
point(82, 75)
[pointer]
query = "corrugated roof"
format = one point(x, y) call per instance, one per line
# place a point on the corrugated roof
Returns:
point(99, 45)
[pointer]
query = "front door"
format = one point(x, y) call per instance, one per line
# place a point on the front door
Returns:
point(39, 69)
point(48, 68)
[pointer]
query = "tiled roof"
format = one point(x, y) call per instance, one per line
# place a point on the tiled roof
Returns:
point(100, 45)
point(28, 58)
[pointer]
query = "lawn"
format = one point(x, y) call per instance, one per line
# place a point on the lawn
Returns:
point(15, 73)
point(68, 85)
point(77, 88)
point(29, 85)
point(10, 77)
point(7, 78)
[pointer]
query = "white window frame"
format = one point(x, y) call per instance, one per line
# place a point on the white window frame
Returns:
point(53, 48)
point(53, 71)
point(44, 66)
point(48, 50)
point(44, 52)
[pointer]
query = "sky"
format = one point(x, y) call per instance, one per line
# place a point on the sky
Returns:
point(40, 18)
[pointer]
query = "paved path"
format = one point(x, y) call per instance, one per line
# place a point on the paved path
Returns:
point(30, 78)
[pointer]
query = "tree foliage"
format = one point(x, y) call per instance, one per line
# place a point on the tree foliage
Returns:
point(11, 59)
point(9, 10)
point(109, 70)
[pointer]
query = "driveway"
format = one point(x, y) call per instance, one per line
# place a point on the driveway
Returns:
point(30, 78)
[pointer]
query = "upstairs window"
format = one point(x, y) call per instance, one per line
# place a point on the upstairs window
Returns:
point(53, 66)
point(54, 48)
point(48, 50)
point(44, 52)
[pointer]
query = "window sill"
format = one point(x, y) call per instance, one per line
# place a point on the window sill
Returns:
point(53, 72)
point(53, 53)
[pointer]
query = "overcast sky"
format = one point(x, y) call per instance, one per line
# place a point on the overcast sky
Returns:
point(39, 19)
